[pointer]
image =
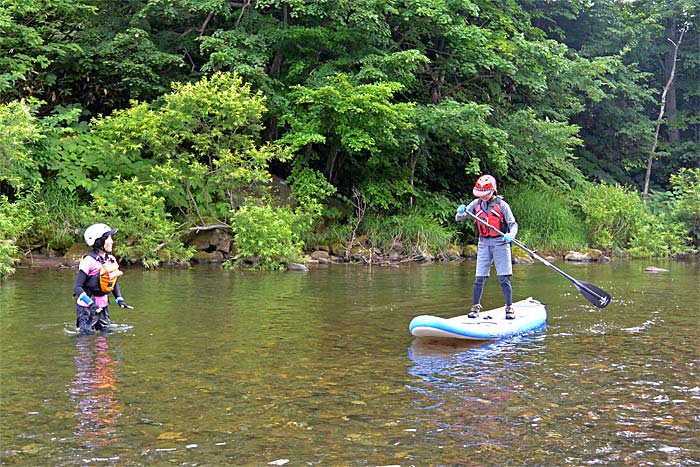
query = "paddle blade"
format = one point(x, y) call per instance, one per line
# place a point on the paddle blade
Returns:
point(593, 294)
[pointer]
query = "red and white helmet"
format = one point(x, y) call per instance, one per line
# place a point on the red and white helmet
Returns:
point(484, 185)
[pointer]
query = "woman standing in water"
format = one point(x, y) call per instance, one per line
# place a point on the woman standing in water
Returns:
point(97, 277)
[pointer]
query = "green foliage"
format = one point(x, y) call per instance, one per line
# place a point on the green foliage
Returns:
point(617, 219)
point(203, 140)
point(541, 150)
point(658, 236)
point(418, 233)
point(686, 208)
point(146, 232)
point(15, 220)
point(133, 65)
point(57, 217)
point(33, 36)
point(398, 99)
point(311, 189)
point(435, 206)
point(331, 234)
point(267, 234)
point(309, 186)
point(8, 253)
point(546, 218)
point(19, 130)
point(635, 40)
point(356, 127)
point(611, 214)
point(454, 138)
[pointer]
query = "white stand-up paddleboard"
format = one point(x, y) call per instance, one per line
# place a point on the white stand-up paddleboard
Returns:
point(530, 315)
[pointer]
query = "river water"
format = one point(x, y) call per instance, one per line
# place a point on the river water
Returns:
point(218, 368)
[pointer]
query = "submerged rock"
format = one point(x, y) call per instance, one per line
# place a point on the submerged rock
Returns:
point(297, 267)
point(590, 256)
point(654, 269)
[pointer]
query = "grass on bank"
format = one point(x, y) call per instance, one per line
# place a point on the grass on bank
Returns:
point(547, 219)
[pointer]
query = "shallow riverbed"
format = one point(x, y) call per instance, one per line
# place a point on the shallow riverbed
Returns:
point(219, 368)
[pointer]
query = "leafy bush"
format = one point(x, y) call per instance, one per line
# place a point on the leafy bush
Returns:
point(146, 232)
point(617, 218)
point(267, 234)
point(309, 186)
point(686, 190)
point(546, 218)
point(200, 143)
point(15, 219)
point(611, 214)
point(657, 236)
point(436, 206)
point(310, 189)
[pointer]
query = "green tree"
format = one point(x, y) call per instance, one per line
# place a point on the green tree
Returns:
point(201, 145)
point(635, 39)
point(19, 130)
point(34, 36)
point(353, 129)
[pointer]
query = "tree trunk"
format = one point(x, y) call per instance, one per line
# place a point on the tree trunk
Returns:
point(330, 164)
point(664, 95)
point(674, 134)
point(413, 162)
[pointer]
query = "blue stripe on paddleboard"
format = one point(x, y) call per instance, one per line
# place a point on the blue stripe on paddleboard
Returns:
point(480, 328)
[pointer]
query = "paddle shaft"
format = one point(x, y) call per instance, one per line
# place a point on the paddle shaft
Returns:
point(602, 298)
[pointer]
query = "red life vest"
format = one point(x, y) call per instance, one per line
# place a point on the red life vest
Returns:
point(494, 218)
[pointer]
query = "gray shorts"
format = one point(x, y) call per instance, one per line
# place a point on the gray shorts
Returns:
point(496, 251)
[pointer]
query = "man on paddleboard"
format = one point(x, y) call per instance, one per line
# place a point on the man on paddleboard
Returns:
point(97, 277)
point(493, 210)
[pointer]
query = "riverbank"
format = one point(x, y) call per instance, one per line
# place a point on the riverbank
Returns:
point(394, 257)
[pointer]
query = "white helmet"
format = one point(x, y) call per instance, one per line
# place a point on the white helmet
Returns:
point(96, 231)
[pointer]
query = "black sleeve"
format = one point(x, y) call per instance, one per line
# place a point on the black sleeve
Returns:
point(116, 291)
point(78, 287)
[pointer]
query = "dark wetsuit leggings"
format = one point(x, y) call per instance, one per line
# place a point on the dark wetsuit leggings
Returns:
point(505, 286)
point(88, 321)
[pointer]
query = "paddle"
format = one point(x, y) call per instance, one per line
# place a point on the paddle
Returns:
point(593, 294)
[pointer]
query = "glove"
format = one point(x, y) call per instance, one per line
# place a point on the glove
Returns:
point(84, 300)
point(461, 213)
point(508, 237)
point(122, 303)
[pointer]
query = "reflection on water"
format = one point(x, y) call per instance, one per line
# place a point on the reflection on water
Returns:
point(94, 392)
point(472, 387)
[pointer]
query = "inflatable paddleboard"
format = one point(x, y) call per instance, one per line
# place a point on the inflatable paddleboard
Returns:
point(530, 315)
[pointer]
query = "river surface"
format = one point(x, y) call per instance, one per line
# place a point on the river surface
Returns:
point(218, 368)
